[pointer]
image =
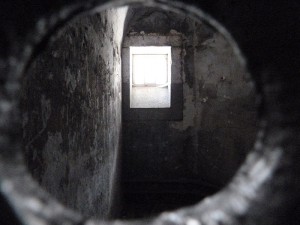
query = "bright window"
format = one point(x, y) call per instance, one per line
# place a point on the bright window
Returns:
point(150, 77)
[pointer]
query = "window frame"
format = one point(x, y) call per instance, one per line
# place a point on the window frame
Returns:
point(151, 50)
point(175, 113)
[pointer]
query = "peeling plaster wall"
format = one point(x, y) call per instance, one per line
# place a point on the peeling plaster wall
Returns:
point(72, 114)
point(218, 124)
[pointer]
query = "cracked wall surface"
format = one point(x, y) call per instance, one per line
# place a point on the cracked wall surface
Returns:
point(72, 114)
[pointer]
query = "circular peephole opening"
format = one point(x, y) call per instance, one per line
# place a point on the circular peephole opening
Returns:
point(112, 129)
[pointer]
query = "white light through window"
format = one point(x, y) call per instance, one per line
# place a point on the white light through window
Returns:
point(150, 80)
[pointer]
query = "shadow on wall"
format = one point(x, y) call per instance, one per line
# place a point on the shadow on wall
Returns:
point(193, 148)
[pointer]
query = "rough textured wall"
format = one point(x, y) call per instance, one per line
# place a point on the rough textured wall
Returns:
point(218, 125)
point(72, 113)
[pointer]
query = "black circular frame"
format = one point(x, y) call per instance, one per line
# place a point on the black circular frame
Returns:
point(265, 35)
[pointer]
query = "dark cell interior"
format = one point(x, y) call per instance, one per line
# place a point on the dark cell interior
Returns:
point(85, 145)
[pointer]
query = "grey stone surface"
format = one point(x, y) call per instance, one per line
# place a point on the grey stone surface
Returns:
point(154, 39)
point(72, 114)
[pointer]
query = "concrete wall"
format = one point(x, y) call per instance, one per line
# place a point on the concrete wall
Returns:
point(218, 125)
point(72, 114)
